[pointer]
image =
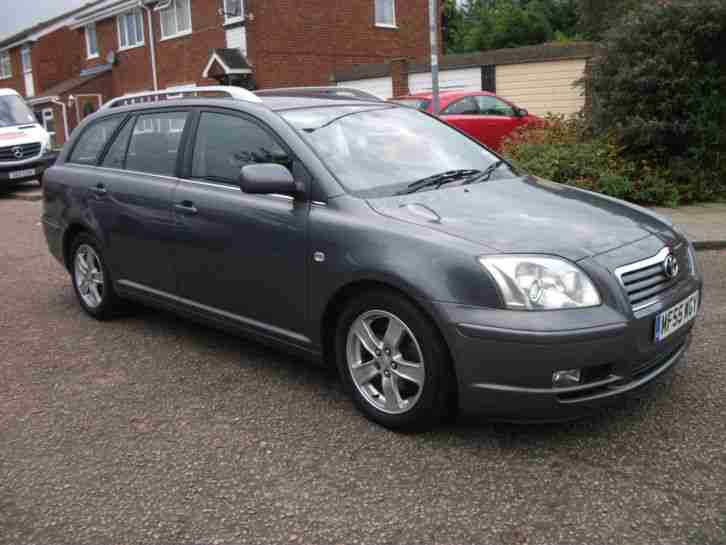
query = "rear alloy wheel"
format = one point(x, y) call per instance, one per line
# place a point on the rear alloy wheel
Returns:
point(393, 361)
point(91, 280)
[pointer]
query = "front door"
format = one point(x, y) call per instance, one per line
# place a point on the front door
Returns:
point(87, 105)
point(498, 118)
point(241, 257)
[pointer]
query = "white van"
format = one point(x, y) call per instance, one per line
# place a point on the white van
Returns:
point(25, 148)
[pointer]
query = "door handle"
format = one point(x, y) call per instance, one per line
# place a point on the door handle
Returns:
point(100, 190)
point(186, 207)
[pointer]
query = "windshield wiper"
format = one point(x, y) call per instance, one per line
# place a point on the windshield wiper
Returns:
point(437, 180)
point(490, 170)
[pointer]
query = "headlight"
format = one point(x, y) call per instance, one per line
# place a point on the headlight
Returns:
point(541, 283)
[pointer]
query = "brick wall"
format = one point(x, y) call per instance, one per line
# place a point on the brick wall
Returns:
point(55, 59)
point(290, 42)
point(304, 43)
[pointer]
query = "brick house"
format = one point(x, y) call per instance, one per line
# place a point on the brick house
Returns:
point(114, 47)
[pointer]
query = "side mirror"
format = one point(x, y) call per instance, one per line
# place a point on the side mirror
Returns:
point(267, 178)
point(521, 112)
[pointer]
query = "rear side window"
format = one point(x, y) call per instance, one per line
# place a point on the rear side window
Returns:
point(117, 152)
point(93, 140)
point(154, 144)
point(226, 143)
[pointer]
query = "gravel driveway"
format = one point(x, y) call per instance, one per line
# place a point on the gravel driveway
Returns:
point(152, 430)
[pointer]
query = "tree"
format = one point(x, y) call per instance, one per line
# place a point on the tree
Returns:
point(658, 85)
point(596, 16)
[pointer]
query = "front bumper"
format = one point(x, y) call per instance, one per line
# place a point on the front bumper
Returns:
point(39, 165)
point(504, 360)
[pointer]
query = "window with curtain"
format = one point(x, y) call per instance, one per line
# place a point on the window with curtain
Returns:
point(91, 41)
point(6, 67)
point(176, 20)
point(386, 13)
point(130, 29)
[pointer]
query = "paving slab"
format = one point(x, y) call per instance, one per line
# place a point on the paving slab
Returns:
point(705, 224)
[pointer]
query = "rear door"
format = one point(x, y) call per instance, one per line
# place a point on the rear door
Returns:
point(137, 178)
point(239, 256)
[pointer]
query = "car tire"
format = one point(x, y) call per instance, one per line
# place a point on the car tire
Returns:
point(91, 279)
point(412, 398)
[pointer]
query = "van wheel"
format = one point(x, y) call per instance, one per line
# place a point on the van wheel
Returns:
point(393, 361)
point(91, 279)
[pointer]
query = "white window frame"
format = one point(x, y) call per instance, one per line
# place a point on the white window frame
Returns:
point(26, 60)
point(120, 24)
point(394, 24)
point(6, 65)
point(231, 20)
point(87, 31)
point(48, 114)
point(174, 6)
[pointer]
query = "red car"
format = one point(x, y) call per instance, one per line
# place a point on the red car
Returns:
point(485, 116)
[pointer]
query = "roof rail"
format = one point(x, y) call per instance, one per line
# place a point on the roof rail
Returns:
point(225, 91)
point(341, 93)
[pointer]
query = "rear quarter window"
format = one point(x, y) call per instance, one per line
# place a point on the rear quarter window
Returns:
point(93, 140)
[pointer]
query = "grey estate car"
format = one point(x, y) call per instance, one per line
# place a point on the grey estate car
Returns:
point(432, 273)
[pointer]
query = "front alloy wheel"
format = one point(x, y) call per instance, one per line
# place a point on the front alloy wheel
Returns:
point(394, 362)
point(385, 362)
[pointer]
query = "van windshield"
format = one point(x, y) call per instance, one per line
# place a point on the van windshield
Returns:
point(13, 111)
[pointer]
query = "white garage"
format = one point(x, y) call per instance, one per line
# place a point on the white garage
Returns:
point(382, 87)
point(468, 79)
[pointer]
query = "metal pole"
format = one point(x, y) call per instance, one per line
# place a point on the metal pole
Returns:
point(434, 36)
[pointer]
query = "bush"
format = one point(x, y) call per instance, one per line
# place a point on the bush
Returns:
point(564, 150)
point(658, 89)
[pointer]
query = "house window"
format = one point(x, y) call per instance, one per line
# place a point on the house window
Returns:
point(233, 11)
point(6, 67)
point(386, 13)
point(176, 20)
point(130, 29)
point(25, 60)
point(91, 41)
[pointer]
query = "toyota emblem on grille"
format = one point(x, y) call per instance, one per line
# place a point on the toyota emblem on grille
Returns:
point(18, 152)
point(671, 266)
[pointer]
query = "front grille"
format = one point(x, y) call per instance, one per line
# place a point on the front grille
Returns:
point(28, 151)
point(646, 280)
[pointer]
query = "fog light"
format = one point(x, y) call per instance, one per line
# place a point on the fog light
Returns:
point(568, 377)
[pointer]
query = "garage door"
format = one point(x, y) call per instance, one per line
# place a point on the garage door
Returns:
point(543, 87)
point(383, 87)
point(467, 79)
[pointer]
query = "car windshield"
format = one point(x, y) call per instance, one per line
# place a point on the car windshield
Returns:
point(416, 103)
point(13, 111)
point(381, 151)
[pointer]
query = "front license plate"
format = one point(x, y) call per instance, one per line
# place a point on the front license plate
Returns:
point(22, 173)
point(673, 319)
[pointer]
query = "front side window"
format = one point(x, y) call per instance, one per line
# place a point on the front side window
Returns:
point(489, 105)
point(6, 66)
point(154, 144)
point(378, 151)
point(226, 143)
point(116, 155)
point(92, 141)
point(130, 29)
point(386, 13)
point(14, 111)
point(463, 106)
point(176, 20)
point(91, 41)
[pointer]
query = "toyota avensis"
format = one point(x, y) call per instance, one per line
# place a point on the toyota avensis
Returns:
point(430, 271)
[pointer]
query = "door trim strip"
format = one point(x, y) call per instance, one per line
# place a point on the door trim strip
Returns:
point(222, 313)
